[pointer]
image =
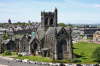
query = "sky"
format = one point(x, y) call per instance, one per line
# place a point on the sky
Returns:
point(69, 11)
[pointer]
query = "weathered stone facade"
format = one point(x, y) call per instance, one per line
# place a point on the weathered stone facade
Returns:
point(51, 40)
point(8, 45)
point(23, 44)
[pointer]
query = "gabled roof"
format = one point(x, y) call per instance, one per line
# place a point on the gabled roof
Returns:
point(6, 41)
point(52, 30)
point(40, 34)
point(31, 40)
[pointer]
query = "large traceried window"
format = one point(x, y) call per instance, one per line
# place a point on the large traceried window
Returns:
point(46, 21)
point(51, 22)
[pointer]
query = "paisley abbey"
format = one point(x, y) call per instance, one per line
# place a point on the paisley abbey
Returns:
point(50, 40)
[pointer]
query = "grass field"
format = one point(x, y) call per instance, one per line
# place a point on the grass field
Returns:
point(86, 50)
point(42, 59)
point(36, 58)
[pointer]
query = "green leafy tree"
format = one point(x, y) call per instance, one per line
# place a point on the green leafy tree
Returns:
point(7, 53)
point(96, 55)
point(62, 24)
point(5, 36)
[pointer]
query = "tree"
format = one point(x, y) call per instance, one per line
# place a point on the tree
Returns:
point(5, 36)
point(96, 55)
point(62, 24)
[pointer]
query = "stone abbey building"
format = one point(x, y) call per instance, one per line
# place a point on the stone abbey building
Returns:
point(50, 40)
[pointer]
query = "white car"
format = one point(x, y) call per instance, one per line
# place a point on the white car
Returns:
point(23, 53)
point(32, 62)
point(25, 60)
point(18, 60)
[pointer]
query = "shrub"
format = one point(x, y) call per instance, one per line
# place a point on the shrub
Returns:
point(19, 55)
point(76, 60)
point(61, 61)
point(35, 58)
point(96, 55)
point(7, 53)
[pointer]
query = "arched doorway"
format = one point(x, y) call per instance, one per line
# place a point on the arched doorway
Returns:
point(60, 49)
point(34, 48)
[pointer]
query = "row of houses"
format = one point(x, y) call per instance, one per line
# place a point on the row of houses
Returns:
point(86, 33)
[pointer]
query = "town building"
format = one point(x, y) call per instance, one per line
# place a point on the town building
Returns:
point(96, 36)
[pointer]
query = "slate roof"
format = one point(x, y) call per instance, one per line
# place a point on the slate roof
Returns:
point(40, 33)
point(7, 41)
point(51, 30)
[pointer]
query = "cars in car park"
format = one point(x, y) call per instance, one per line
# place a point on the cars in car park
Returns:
point(18, 60)
point(23, 54)
point(52, 64)
point(31, 62)
point(25, 61)
point(68, 64)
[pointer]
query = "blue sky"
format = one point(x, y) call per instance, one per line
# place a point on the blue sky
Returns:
point(69, 11)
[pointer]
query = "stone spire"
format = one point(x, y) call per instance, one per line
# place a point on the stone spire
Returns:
point(9, 21)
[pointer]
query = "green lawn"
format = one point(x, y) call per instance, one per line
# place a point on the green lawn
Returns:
point(83, 49)
point(13, 54)
point(36, 58)
point(86, 50)
point(42, 59)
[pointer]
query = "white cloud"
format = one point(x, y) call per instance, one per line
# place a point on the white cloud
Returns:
point(97, 5)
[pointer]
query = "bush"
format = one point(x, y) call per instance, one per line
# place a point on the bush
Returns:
point(19, 55)
point(6, 53)
point(35, 58)
point(76, 61)
point(96, 55)
point(61, 61)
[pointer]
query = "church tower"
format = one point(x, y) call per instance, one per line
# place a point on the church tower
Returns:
point(49, 19)
point(9, 21)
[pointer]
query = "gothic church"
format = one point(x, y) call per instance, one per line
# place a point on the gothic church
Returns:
point(50, 40)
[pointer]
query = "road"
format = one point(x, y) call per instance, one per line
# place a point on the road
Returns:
point(14, 63)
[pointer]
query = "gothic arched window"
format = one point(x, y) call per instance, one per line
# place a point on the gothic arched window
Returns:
point(51, 21)
point(46, 21)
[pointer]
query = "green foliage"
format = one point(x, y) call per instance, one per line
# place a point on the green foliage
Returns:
point(5, 36)
point(96, 55)
point(19, 55)
point(36, 58)
point(86, 50)
point(76, 60)
point(42, 59)
point(61, 61)
point(62, 24)
point(81, 36)
point(7, 53)
point(22, 23)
